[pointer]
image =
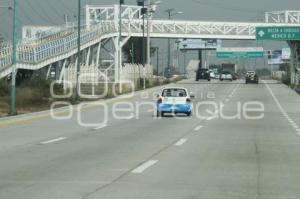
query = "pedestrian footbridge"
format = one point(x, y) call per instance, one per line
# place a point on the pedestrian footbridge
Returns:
point(59, 49)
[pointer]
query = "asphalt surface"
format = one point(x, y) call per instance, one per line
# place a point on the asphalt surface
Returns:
point(206, 156)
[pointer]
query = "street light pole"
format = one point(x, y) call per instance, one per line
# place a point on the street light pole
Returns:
point(169, 46)
point(171, 12)
point(121, 2)
point(143, 48)
point(78, 50)
point(148, 33)
point(184, 60)
point(12, 104)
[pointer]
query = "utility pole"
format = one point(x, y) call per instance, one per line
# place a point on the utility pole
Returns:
point(157, 64)
point(142, 3)
point(66, 17)
point(171, 12)
point(148, 32)
point(121, 2)
point(78, 50)
point(12, 104)
point(169, 47)
point(143, 48)
point(184, 59)
point(157, 60)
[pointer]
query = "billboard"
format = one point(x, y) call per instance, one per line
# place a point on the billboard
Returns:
point(200, 44)
point(286, 54)
point(275, 57)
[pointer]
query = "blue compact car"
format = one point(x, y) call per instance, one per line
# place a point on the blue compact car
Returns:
point(174, 100)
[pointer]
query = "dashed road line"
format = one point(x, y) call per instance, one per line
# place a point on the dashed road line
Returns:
point(292, 123)
point(100, 127)
point(54, 140)
point(198, 128)
point(140, 169)
point(210, 118)
point(180, 142)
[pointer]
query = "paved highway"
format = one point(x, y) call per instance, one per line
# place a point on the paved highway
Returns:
point(141, 156)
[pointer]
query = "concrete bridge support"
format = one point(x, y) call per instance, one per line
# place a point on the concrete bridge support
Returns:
point(295, 62)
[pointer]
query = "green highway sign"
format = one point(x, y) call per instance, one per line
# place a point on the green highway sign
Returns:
point(236, 55)
point(278, 33)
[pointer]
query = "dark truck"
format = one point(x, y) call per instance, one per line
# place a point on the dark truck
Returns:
point(229, 68)
point(251, 77)
point(202, 73)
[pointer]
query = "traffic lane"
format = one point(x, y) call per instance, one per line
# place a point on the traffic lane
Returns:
point(224, 159)
point(22, 136)
point(279, 146)
point(289, 101)
point(39, 129)
point(131, 187)
point(21, 131)
point(48, 167)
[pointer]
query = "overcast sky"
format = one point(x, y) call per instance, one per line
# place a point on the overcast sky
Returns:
point(51, 12)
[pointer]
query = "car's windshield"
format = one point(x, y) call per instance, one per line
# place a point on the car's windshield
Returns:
point(174, 92)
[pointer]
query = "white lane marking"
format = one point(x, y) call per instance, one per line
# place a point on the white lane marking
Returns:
point(198, 128)
point(143, 167)
point(130, 117)
point(210, 118)
point(54, 140)
point(295, 126)
point(292, 123)
point(180, 142)
point(100, 127)
point(226, 100)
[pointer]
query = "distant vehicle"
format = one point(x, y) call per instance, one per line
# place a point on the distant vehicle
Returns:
point(225, 75)
point(252, 77)
point(174, 100)
point(212, 74)
point(217, 76)
point(235, 76)
point(202, 73)
point(229, 67)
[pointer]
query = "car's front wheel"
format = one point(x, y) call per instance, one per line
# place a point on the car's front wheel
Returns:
point(189, 113)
